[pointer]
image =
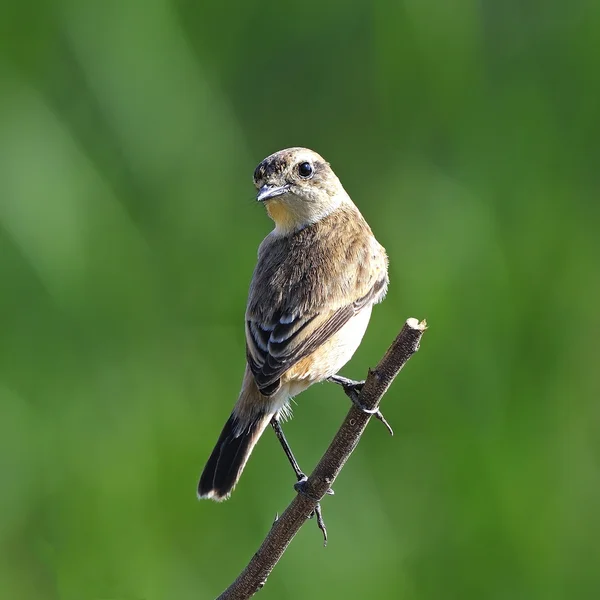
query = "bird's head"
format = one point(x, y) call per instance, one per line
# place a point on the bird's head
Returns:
point(297, 187)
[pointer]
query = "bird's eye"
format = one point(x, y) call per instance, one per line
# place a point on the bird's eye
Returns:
point(305, 170)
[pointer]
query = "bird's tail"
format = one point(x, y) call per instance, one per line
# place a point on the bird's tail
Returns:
point(229, 457)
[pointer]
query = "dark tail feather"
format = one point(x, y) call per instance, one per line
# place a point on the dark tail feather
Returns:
point(229, 457)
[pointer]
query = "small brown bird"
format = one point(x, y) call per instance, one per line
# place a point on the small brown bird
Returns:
point(319, 272)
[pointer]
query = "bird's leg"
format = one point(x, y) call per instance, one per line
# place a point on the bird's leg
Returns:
point(347, 384)
point(276, 425)
point(352, 389)
point(301, 484)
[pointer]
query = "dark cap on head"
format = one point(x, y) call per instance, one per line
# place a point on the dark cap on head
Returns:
point(297, 171)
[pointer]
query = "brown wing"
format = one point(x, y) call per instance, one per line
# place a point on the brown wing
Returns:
point(274, 347)
point(306, 287)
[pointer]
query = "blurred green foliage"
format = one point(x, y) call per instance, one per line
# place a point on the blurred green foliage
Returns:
point(467, 133)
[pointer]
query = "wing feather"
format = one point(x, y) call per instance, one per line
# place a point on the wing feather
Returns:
point(272, 349)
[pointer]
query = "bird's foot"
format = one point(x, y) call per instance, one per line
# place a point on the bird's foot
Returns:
point(352, 389)
point(300, 487)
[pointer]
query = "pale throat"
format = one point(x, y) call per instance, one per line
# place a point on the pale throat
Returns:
point(293, 215)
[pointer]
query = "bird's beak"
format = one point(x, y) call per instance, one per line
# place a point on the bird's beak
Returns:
point(267, 191)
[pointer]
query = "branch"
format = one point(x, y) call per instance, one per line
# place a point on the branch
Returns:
point(254, 576)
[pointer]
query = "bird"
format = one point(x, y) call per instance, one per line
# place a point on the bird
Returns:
point(319, 273)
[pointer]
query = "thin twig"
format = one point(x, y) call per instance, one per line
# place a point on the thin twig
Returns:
point(283, 530)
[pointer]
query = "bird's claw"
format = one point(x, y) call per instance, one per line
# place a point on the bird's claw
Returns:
point(353, 389)
point(300, 487)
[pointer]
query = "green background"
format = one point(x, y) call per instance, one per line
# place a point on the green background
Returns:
point(467, 133)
